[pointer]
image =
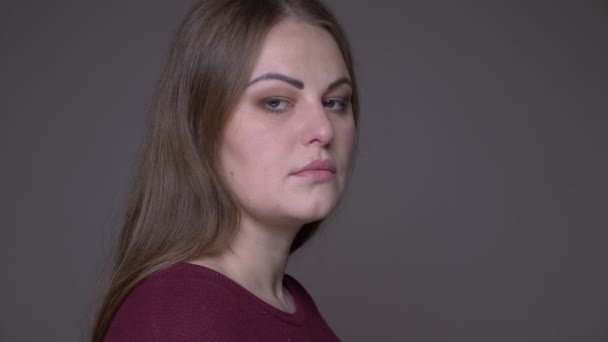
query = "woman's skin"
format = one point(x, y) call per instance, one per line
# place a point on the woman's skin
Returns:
point(295, 110)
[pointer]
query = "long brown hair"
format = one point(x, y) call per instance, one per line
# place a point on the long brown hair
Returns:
point(178, 209)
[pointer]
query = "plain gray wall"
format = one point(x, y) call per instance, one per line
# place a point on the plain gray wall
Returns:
point(479, 206)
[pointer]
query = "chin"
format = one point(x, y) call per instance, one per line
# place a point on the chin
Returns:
point(315, 210)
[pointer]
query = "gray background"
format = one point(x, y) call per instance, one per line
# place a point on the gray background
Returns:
point(478, 210)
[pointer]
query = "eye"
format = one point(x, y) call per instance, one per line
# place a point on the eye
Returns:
point(338, 105)
point(276, 104)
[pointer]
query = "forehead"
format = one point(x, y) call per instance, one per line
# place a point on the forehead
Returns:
point(299, 49)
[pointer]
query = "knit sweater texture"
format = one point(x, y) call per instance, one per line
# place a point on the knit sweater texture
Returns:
point(189, 302)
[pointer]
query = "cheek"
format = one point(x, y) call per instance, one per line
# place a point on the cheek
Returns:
point(345, 140)
point(251, 158)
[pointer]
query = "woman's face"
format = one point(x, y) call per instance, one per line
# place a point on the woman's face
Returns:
point(295, 111)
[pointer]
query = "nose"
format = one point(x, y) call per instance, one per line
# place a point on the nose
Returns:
point(318, 128)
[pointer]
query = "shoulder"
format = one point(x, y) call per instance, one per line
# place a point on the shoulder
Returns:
point(181, 303)
point(297, 290)
point(316, 324)
point(294, 285)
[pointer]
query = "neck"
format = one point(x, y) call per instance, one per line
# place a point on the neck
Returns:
point(257, 259)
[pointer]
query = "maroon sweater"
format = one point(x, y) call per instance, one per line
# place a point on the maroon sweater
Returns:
point(193, 303)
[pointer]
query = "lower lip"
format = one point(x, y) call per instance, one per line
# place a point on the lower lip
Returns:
point(316, 175)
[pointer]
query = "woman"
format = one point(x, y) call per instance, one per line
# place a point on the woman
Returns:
point(249, 150)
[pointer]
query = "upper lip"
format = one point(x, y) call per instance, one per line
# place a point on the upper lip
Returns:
point(319, 164)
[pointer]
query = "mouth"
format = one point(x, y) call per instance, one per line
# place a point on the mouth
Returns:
point(318, 170)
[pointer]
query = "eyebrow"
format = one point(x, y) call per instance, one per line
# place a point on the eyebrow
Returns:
point(297, 83)
point(335, 84)
point(274, 76)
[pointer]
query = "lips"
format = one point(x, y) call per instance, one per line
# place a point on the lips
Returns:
point(326, 165)
point(320, 170)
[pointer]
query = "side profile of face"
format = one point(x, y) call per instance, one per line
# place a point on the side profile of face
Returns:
point(286, 149)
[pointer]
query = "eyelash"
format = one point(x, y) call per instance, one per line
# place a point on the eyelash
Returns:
point(342, 103)
point(267, 101)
